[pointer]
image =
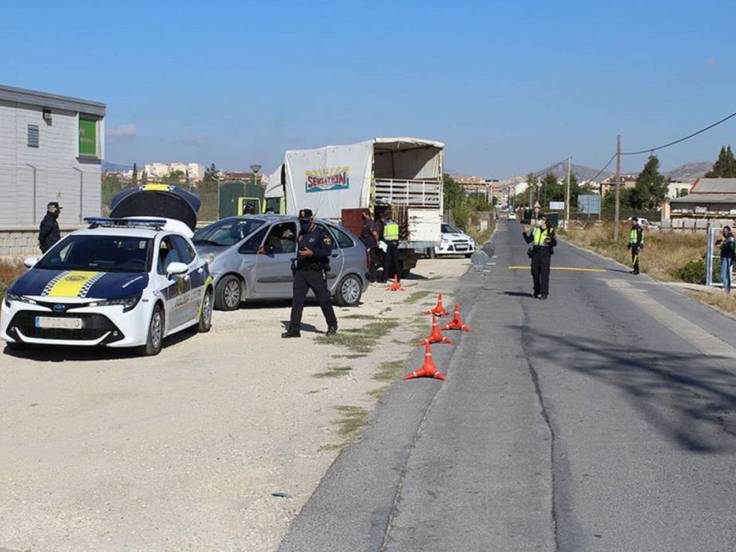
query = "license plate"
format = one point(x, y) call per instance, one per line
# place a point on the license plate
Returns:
point(49, 322)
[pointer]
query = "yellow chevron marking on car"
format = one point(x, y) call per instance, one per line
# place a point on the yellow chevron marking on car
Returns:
point(75, 283)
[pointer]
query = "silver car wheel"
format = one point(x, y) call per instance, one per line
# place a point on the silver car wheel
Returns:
point(350, 290)
point(232, 294)
point(156, 329)
point(207, 309)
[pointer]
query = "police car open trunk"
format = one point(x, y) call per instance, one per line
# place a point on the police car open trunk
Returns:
point(401, 175)
point(157, 200)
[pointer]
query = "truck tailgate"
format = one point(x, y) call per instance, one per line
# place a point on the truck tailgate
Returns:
point(424, 225)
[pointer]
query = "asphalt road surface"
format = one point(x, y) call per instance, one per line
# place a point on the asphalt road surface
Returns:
point(600, 419)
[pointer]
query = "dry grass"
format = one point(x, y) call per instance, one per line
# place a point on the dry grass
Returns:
point(9, 272)
point(663, 255)
point(719, 300)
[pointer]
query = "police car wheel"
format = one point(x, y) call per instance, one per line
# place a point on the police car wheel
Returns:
point(205, 315)
point(155, 338)
point(349, 291)
point(228, 293)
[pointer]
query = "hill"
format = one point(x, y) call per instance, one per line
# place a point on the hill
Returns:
point(689, 172)
point(581, 172)
point(115, 167)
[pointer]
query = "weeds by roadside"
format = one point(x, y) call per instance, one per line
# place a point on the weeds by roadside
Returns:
point(352, 419)
point(417, 296)
point(718, 300)
point(9, 272)
point(360, 340)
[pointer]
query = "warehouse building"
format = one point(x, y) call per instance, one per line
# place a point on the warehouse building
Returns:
point(51, 149)
point(710, 201)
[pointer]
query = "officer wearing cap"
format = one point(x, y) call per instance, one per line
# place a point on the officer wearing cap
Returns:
point(314, 247)
point(49, 232)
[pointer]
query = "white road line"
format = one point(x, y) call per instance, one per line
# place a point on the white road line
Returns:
point(692, 333)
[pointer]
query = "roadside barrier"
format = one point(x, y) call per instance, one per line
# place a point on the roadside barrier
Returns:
point(439, 310)
point(395, 286)
point(436, 336)
point(428, 369)
point(456, 323)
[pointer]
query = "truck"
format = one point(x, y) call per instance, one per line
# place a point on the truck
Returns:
point(402, 175)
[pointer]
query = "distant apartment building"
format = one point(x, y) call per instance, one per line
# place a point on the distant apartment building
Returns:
point(628, 181)
point(193, 171)
point(678, 189)
point(51, 149)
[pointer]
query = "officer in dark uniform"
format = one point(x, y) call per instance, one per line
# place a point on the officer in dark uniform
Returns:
point(48, 232)
point(543, 242)
point(314, 248)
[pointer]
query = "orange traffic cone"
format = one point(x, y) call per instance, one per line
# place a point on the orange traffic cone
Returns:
point(439, 310)
point(435, 336)
point(456, 323)
point(395, 286)
point(428, 369)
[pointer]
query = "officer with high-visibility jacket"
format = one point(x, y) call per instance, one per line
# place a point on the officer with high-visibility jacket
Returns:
point(391, 255)
point(543, 240)
point(636, 244)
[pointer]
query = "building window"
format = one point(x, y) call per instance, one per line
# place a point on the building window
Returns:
point(87, 137)
point(32, 136)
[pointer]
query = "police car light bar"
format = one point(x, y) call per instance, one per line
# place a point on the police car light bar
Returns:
point(107, 222)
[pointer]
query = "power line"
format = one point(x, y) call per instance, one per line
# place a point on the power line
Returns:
point(600, 172)
point(702, 130)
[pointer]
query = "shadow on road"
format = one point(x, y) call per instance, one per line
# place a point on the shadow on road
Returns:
point(686, 397)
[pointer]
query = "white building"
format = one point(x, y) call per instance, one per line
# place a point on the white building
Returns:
point(51, 149)
point(194, 171)
point(678, 189)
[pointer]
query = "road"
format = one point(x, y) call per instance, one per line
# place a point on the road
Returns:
point(600, 419)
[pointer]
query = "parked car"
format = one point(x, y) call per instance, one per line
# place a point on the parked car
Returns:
point(512, 215)
point(122, 282)
point(250, 258)
point(453, 242)
point(644, 223)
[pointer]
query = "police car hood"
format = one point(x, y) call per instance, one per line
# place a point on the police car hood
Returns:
point(157, 200)
point(79, 284)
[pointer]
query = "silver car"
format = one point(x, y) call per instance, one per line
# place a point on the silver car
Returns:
point(250, 258)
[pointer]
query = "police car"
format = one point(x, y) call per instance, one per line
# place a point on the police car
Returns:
point(125, 281)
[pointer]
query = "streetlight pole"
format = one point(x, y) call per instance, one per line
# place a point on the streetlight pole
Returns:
point(255, 167)
point(567, 194)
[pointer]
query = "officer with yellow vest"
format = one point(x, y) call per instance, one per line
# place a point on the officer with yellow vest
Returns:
point(636, 243)
point(543, 240)
point(391, 255)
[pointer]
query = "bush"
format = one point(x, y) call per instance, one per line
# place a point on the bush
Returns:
point(692, 272)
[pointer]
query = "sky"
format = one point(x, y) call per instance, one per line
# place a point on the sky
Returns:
point(509, 87)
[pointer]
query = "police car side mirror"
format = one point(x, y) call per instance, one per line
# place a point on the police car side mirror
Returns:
point(176, 269)
point(30, 262)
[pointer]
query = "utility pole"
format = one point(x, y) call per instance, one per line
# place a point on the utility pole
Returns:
point(618, 186)
point(567, 194)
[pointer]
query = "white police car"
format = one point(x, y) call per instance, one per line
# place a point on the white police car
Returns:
point(126, 281)
point(454, 242)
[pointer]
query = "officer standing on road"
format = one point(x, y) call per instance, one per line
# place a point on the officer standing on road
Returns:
point(391, 256)
point(314, 247)
point(543, 241)
point(369, 237)
point(49, 233)
point(728, 256)
point(636, 244)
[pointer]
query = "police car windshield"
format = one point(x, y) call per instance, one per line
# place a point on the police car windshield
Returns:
point(100, 253)
point(447, 229)
point(226, 232)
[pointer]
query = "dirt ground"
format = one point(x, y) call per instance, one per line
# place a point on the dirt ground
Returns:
point(101, 450)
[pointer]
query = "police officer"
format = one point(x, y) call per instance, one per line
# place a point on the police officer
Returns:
point(391, 256)
point(543, 241)
point(636, 243)
point(369, 237)
point(49, 233)
point(314, 248)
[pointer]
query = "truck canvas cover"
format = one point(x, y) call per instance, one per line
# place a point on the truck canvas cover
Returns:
point(329, 179)
point(157, 200)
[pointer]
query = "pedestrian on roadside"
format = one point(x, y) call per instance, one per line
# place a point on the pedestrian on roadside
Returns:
point(314, 247)
point(49, 232)
point(543, 241)
point(636, 243)
point(728, 256)
point(369, 237)
point(391, 267)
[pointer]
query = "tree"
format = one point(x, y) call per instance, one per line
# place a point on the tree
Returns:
point(725, 165)
point(135, 173)
point(175, 177)
point(651, 187)
point(551, 190)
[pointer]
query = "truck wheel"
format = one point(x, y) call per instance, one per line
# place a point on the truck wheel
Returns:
point(228, 294)
point(205, 313)
point(349, 291)
point(155, 338)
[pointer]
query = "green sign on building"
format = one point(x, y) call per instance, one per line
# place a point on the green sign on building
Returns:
point(87, 137)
